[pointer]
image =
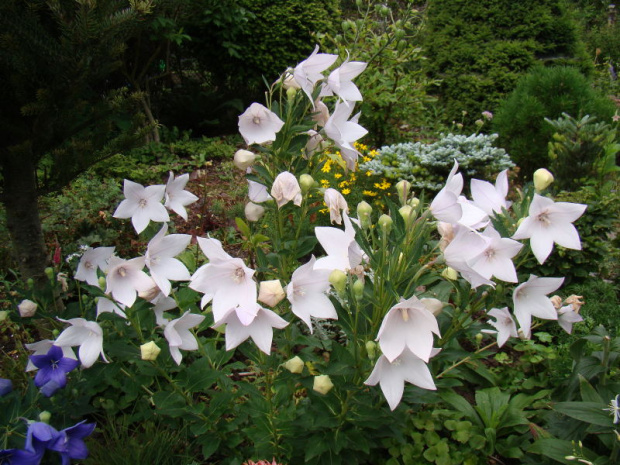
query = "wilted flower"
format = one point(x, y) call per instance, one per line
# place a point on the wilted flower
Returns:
point(286, 189)
point(294, 365)
point(576, 301)
point(322, 384)
point(556, 300)
point(542, 179)
point(270, 292)
point(142, 205)
point(253, 212)
point(321, 115)
point(177, 198)
point(259, 125)
point(336, 203)
point(149, 351)
point(243, 159)
point(27, 308)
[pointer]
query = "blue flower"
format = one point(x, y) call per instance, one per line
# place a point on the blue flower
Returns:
point(6, 386)
point(19, 457)
point(39, 437)
point(70, 442)
point(53, 369)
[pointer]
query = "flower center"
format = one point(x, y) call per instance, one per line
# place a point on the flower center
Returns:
point(238, 275)
point(256, 120)
point(543, 218)
point(122, 272)
point(142, 203)
point(490, 254)
point(299, 291)
point(88, 265)
point(405, 314)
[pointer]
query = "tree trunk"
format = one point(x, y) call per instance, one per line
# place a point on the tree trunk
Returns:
point(22, 215)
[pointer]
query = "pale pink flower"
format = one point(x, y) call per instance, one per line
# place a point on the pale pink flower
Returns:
point(339, 81)
point(550, 222)
point(445, 206)
point(142, 205)
point(491, 198)
point(343, 253)
point(125, 279)
point(286, 189)
point(160, 261)
point(258, 124)
point(257, 192)
point(567, 317)
point(344, 132)
point(496, 258)
point(504, 325)
point(177, 333)
point(408, 324)
point(392, 376)
point(530, 299)
point(105, 305)
point(177, 198)
point(336, 203)
point(465, 246)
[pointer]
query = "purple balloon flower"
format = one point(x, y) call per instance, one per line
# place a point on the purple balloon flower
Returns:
point(70, 442)
point(6, 386)
point(39, 436)
point(19, 457)
point(53, 369)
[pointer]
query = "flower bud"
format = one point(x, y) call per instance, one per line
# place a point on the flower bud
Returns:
point(358, 289)
point(289, 82)
point(49, 272)
point(322, 384)
point(575, 301)
point(29, 283)
point(306, 182)
point(45, 416)
point(435, 306)
point(479, 123)
point(271, 292)
point(405, 212)
point(402, 189)
point(294, 365)
point(542, 179)
point(27, 308)
point(385, 222)
point(338, 279)
point(414, 202)
point(253, 211)
point(450, 273)
point(244, 159)
point(371, 349)
point(478, 337)
point(4, 315)
point(556, 300)
point(149, 351)
point(149, 294)
point(102, 282)
point(488, 115)
point(363, 213)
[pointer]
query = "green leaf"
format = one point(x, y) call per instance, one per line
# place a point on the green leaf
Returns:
point(558, 449)
point(243, 227)
point(170, 403)
point(589, 412)
point(461, 404)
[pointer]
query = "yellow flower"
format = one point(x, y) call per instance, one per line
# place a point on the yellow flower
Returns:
point(338, 175)
point(368, 173)
point(324, 183)
point(369, 193)
point(346, 191)
point(343, 184)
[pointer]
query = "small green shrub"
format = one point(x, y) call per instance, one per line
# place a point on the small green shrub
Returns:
point(427, 165)
point(544, 93)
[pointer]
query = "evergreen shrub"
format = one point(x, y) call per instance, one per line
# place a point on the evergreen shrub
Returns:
point(480, 49)
point(426, 166)
point(544, 93)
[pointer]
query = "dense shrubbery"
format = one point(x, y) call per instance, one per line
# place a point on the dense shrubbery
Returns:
point(544, 93)
point(480, 49)
point(427, 165)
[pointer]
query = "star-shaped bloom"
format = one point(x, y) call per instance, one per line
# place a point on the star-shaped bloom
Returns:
point(530, 299)
point(445, 206)
point(42, 348)
point(309, 72)
point(225, 280)
point(90, 261)
point(162, 303)
point(53, 366)
point(496, 258)
point(343, 253)
point(258, 124)
point(177, 198)
point(339, 81)
point(466, 245)
point(336, 203)
point(567, 317)
point(38, 438)
point(257, 192)
point(260, 329)
point(86, 334)
point(490, 198)
point(408, 324)
point(504, 325)
point(392, 376)
point(306, 293)
point(286, 189)
point(125, 279)
point(550, 222)
point(344, 132)
point(160, 261)
point(142, 205)
point(70, 442)
point(179, 336)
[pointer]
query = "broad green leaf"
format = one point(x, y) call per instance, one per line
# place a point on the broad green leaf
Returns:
point(589, 412)
point(588, 393)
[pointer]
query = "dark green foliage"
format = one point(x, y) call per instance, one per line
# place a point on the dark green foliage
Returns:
point(480, 49)
point(544, 93)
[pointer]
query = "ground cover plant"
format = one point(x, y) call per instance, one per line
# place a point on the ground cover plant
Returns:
point(411, 331)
